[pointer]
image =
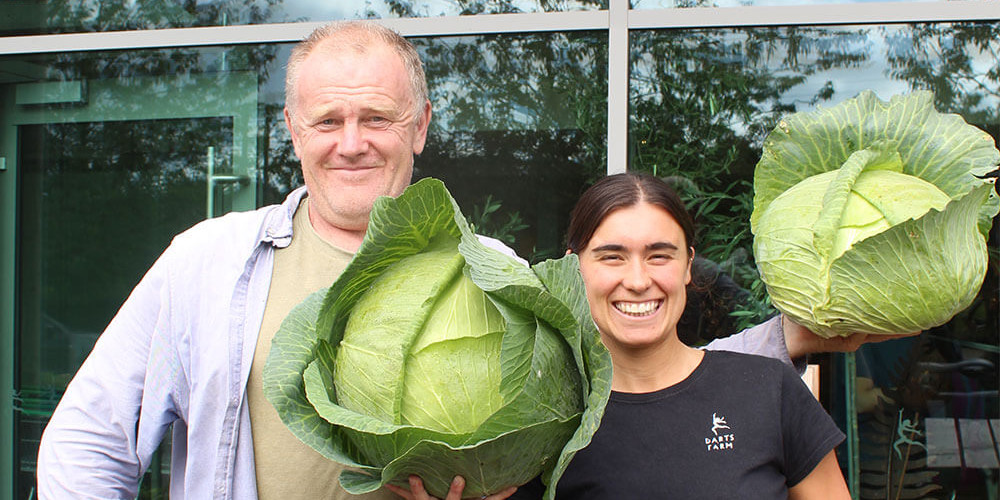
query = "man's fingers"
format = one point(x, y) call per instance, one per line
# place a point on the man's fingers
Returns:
point(456, 489)
point(880, 338)
point(501, 495)
point(417, 491)
point(399, 491)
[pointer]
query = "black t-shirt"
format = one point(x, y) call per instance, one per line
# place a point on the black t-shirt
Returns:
point(740, 426)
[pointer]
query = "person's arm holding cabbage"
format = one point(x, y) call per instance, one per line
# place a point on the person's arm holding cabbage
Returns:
point(782, 338)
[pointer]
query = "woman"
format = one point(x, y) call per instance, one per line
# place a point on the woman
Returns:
point(681, 422)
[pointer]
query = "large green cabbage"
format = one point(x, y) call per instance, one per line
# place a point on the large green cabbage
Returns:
point(872, 216)
point(437, 356)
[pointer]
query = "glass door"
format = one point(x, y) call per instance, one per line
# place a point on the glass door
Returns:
point(105, 173)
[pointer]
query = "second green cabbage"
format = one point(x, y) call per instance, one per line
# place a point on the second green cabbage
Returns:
point(872, 216)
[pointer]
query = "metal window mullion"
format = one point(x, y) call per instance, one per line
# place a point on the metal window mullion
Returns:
point(617, 86)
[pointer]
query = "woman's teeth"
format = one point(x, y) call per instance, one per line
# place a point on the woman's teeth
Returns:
point(637, 308)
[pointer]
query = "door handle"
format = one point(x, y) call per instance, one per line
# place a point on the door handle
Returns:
point(211, 179)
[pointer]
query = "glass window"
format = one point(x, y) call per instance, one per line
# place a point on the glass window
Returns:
point(702, 101)
point(72, 16)
point(116, 152)
point(516, 152)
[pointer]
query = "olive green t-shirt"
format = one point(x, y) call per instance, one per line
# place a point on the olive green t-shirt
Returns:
point(287, 469)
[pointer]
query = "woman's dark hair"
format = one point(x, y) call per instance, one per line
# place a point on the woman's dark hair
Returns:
point(621, 191)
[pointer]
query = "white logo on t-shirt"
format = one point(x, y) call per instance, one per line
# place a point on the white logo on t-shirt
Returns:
point(718, 423)
point(717, 441)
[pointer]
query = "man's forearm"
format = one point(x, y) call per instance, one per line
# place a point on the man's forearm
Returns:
point(765, 339)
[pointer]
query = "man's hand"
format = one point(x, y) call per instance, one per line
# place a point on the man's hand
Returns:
point(800, 341)
point(416, 491)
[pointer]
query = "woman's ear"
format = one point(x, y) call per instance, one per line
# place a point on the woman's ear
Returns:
point(690, 266)
point(568, 251)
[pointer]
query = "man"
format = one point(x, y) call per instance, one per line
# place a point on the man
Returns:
point(188, 346)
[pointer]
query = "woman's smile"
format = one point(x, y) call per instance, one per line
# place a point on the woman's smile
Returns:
point(638, 309)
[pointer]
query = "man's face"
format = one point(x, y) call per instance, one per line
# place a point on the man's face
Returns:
point(355, 129)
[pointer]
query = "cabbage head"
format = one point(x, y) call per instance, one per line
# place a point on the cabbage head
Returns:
point(873, 216)
point(435, 355)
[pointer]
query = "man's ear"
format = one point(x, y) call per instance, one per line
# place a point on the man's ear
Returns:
point(291, 130)
point(423, 123)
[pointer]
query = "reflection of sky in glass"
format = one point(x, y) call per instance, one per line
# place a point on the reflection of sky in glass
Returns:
point(848, 82)
point(669, 4)
point(319, 11)
point(876, 55)
point(887, 42)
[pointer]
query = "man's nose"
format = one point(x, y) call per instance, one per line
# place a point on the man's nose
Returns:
point(353, 141)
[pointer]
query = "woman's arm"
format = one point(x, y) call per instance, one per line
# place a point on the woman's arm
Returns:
point(825, 481)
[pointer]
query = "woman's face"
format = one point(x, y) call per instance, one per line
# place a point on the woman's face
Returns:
point(635, 269)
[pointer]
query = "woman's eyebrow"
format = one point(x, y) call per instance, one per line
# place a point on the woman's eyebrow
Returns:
point(617, 247)
point(610, 247)
point(662, 245)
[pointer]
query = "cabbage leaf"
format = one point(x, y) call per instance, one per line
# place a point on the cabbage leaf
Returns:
point(872, 216)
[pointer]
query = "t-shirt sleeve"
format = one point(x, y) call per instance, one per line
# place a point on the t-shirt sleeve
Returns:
point(808, 431)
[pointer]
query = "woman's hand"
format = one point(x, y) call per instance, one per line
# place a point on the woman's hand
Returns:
point(416, 491)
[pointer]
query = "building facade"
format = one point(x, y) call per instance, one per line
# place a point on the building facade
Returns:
point(122, 123)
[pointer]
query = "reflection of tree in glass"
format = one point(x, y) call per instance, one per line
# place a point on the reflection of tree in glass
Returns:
point(99, 15)
point(123, 189)
point(152, 171)
point(187, 81)
point(520, 117)
point(960, 63)
point(421, 8)
point(280, 169)
point(483, 221)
